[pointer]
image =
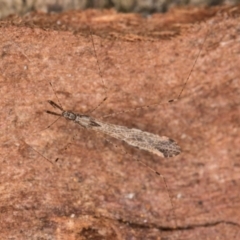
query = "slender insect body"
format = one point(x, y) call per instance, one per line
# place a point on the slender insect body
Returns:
point(162, 146)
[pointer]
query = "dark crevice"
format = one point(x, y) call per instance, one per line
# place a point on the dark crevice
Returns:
point(169, 229)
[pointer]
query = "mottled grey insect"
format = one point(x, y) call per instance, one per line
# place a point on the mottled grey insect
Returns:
point(160, 145)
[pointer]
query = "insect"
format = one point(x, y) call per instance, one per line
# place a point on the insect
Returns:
point(162, 146)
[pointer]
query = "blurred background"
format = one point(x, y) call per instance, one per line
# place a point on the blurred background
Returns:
point(141, 6)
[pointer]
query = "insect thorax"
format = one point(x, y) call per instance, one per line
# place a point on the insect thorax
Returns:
point(69, 115)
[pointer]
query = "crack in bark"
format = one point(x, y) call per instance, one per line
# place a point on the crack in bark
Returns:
point(168, 229)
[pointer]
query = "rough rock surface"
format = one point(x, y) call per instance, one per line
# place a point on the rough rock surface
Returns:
point(95, 188)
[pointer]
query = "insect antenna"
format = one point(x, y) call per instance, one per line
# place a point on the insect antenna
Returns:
point(55, 106)
point(53, 103)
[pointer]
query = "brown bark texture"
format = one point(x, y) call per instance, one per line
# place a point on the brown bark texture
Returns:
point(94, 187)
